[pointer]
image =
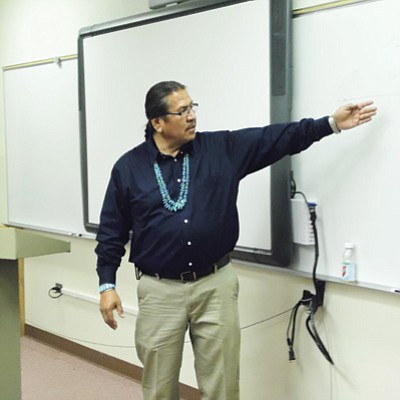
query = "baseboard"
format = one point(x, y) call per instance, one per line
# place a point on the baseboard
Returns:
point(111, 363)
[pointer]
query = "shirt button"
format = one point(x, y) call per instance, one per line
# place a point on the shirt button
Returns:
point(190, 264)
point(175, 160)
point(179, 180)
point(186, 221)
point(189, 243)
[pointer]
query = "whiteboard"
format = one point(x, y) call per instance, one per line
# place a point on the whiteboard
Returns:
point(42, 147)
point(346, 55)
point(227, 71)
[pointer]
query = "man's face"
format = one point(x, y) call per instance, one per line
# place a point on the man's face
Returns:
point(178, 129)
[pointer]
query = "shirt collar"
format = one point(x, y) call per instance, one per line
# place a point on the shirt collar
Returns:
point(154, 153)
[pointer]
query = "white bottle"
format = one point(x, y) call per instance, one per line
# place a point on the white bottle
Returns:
point(348, 265)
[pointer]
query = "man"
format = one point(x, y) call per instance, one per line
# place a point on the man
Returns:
point(176, 192)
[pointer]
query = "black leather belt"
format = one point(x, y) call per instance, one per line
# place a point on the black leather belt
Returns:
point(191, 276)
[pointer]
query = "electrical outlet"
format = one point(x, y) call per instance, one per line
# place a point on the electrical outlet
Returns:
point(301, 223)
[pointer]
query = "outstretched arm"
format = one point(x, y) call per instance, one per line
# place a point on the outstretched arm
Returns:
point(352, 115)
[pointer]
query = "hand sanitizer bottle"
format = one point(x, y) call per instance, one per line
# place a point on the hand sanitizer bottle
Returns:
point(348, 265)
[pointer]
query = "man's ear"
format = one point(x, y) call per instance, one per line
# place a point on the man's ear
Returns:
point(157, 124)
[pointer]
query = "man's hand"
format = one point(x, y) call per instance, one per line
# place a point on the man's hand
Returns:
point(110, 301)
point(352, 115)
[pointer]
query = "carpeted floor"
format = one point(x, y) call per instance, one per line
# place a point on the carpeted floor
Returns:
point(48, 374)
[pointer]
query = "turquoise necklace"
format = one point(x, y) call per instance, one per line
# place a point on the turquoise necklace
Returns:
point(170, 204)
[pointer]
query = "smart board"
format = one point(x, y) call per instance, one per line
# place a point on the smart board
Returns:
point(224, 59)
point(347, 55)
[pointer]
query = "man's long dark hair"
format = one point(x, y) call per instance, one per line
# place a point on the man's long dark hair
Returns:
point(156, 102)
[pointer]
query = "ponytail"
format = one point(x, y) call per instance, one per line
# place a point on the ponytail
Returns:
point(148, 131)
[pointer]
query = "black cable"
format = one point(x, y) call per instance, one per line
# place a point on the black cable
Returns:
point(312, 330)
point(309, 300)
point(313, 219)
point(290, 338)
point(56, 290)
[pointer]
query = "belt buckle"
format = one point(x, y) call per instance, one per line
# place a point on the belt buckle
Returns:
point(191, 274)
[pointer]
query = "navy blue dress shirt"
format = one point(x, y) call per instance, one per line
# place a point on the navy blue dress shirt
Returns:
point(168, 243)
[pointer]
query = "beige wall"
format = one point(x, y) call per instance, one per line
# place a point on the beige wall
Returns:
point(359, 326)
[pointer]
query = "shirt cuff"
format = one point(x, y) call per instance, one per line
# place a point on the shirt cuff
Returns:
point(333, 125)
point(106, 287)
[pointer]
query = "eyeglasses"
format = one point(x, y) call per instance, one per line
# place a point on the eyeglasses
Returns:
point(185, 110)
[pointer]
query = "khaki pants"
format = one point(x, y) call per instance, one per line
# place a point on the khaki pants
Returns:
point(208, 308)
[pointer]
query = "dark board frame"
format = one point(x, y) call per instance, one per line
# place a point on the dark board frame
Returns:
point(281, 95)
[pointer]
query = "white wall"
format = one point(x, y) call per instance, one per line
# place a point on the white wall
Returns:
point(302, 4)
point(359, 325)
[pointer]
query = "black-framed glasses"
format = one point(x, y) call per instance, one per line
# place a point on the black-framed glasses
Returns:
point(184, 112)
